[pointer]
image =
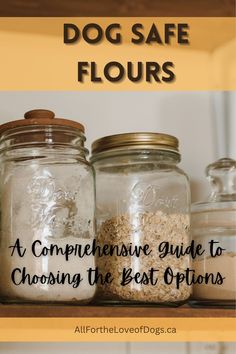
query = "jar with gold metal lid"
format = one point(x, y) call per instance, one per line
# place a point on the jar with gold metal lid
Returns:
point(47, 210)
point(142, 208)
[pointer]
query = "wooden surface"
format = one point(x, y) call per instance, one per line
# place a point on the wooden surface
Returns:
point(117, 8)
point(108, 311)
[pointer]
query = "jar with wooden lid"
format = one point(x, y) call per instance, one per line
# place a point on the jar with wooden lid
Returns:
point(47, 210)
point(214, 228)
point(142, 198)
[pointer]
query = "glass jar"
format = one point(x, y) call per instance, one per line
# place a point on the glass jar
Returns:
point(142, 198)
point(47, 210)
point(214, 226)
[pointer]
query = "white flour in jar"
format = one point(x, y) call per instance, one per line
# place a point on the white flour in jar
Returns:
point(48, 204)
point(226, 265)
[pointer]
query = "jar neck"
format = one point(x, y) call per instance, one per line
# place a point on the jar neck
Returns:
point(32, 140)
point(137, 156)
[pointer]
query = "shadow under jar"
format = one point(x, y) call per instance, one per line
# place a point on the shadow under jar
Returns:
point(47, 205)
point(142, 198)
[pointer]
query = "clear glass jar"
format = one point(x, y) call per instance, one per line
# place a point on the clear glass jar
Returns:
point(142, 197)
point(214, 222)
point(47, 208)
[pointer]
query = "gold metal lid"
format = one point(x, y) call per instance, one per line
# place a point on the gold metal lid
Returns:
point(132, 141)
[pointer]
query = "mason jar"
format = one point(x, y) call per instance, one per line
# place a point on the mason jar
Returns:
point(214, 228)
point(47, 210)
point(142, 198)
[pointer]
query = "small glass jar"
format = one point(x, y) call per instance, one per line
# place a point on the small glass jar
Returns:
point(47, 208)
point(214, 223)
point(142, 198)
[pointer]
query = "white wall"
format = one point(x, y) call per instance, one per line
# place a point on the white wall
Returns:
point(231, 146)
point(188, 115)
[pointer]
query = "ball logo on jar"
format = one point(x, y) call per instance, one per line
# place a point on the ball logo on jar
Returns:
point(144, 194)
point(53, 211)
point(149, 196)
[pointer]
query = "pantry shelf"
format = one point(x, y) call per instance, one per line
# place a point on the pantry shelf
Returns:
point(14, 310)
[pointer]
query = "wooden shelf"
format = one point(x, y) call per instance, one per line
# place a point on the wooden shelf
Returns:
point(181, 8)
point(16, 310)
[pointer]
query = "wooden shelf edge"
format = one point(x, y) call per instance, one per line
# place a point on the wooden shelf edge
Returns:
point(16, 310)
point(119, 8)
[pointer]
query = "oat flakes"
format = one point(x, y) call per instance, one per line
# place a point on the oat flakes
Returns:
point(140, 229)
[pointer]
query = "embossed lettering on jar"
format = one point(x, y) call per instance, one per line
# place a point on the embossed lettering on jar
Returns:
point(142, 197)
point(47, 198)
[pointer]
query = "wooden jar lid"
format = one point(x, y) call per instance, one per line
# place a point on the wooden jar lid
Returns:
point(41, 117)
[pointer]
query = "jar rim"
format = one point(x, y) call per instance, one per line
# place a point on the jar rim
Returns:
point(136, 141)
point(38, 136)
point(208, 207)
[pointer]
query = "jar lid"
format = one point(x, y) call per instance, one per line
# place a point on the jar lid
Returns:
point(40, 117)
point(219, 210)
point(138, 140)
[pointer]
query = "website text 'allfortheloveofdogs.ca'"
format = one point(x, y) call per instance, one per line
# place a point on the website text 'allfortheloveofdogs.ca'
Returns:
point(142, 329)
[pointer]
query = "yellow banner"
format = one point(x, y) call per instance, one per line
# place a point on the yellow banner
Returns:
point(118, 329)
point(118, 54)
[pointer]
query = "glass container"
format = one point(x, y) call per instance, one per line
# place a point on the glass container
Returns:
point(142, 198)
point(214, 227)
point(47, 210)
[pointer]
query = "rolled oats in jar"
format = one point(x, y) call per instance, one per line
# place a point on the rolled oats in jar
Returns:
point(142, 198)
point(47, 205)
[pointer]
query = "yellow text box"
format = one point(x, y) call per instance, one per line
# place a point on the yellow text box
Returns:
point(117, 329)
point(34, 56)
